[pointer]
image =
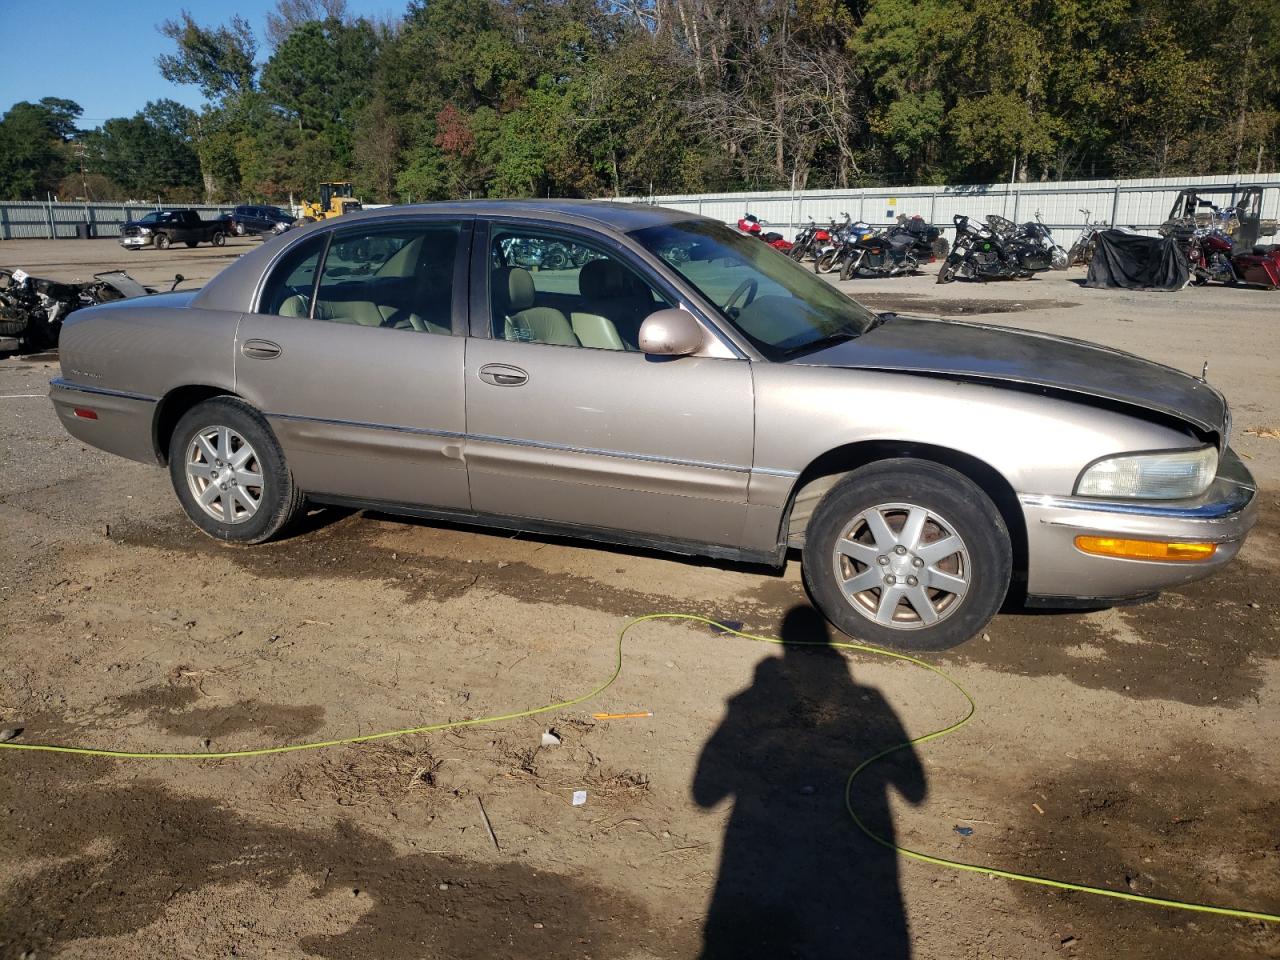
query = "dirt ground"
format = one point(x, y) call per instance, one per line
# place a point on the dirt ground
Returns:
point(1132, 749)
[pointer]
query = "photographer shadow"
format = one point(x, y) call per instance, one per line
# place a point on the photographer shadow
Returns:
point(797, 878)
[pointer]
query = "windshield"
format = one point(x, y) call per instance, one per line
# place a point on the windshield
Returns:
point(782, 308)
point(149, 218)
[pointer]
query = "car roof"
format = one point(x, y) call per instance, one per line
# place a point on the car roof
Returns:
point(623, 217)
point(233, 288)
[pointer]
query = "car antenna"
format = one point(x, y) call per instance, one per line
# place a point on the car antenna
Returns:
point(178, 278)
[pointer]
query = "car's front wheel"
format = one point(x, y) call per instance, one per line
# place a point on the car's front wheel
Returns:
point(230, 474)
point(908, 553)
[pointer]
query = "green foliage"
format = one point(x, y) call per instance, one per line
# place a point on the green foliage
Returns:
point(148, 154)
point(589, 98)
point(219, 60)
point(34, 154)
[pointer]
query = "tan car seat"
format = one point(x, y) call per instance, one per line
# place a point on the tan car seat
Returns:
point(601, 284)
point(513, 292)
point(295, 306)
point(614, 304)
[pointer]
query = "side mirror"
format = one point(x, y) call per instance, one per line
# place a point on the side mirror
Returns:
point(670, 333)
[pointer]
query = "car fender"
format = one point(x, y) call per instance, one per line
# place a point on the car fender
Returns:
point(1036, 442)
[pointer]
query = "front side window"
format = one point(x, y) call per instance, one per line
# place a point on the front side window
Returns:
point(785, 310)
point(546, 287)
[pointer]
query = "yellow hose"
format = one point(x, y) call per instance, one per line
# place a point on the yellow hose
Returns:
point(617, 670)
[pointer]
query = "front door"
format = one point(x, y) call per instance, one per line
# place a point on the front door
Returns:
point(568, 421)
point(356, 358)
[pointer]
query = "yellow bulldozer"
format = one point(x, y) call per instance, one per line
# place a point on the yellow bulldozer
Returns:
point(336, 199)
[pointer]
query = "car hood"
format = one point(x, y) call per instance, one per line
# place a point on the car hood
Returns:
point(980, 352)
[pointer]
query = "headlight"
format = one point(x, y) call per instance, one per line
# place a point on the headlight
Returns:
point(144, 231)
point(1173, 475)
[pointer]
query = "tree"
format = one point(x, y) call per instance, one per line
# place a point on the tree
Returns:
point(145, 157)
point(290, 14)
point(34, 152)
point(218, 60)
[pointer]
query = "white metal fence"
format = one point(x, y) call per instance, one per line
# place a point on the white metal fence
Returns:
point(1141, 204)
point(32, 219)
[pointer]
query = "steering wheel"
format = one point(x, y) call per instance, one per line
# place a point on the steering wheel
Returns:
point(749, 287)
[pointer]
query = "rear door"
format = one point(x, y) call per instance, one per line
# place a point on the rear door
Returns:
point(566, 428)
point(356, 357)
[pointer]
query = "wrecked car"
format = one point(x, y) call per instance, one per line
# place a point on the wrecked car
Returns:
point(670, 385)
point(32, 309)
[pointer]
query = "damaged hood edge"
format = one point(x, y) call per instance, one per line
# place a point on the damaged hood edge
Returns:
point(983, 353)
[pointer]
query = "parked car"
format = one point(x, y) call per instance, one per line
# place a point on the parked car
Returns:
point(720, 400)
point(164, 228)
point(259, 221)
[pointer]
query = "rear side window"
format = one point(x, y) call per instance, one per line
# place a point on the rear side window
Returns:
point(289, 290)
point(391, 277)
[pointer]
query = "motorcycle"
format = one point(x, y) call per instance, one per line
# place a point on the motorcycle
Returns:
point(986, 253)
point(880, 255)
point(809, 241)
point(927, 240)
point(751, 225)
point(1035, 231)
point(1081, 251)
point(1210, 250)
point(832, 256)
point(32, 309)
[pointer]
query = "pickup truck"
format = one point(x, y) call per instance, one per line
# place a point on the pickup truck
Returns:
point(163, 228)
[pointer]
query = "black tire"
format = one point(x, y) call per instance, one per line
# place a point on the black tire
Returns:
point(847, 266)
point(827, 262)
point(218, 238)
point(279, 498)
point(985, 563)
point(947, 272)
point(162, 241)
point(193, 243)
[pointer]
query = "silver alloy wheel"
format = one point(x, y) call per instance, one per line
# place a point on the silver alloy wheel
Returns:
point(902, 566)
point(224, 474)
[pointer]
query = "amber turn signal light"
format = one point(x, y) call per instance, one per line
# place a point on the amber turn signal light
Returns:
point(1145, 549)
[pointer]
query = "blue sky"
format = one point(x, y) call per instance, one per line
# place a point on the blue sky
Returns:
point(101, 53)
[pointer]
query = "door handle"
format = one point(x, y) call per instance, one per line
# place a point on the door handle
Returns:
point(260, 349)
point(502, 375)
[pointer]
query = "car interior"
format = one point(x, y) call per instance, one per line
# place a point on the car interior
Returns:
point(401, 281)
point(563, 293)
point(541, 291)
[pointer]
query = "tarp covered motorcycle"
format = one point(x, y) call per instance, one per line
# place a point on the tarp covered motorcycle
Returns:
point(1135, 262)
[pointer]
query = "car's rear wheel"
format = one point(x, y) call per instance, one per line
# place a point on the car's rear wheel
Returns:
point(230, 474)
point(908, 553)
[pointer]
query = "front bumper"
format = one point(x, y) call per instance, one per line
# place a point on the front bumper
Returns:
point(138, 241)
point(1224, 514)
